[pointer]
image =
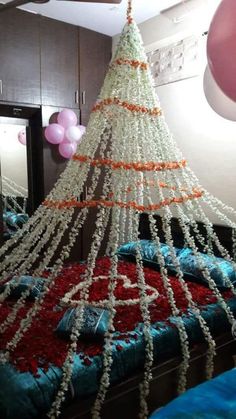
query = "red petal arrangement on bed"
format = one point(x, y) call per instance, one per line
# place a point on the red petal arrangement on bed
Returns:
point(32, 353)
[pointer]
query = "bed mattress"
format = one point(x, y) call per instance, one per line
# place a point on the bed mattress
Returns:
point(28, 384)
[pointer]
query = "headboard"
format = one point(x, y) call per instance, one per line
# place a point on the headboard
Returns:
point(224, 233)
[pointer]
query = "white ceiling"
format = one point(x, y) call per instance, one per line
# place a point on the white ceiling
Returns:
point(105, 18)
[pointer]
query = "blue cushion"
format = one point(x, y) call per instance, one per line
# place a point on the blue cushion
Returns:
point(13, 220)
point(148, 252)
point(95, 322)
point(189, 266)
point(187, 260)
point(18, 285)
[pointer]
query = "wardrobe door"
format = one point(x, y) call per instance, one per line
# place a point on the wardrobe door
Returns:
point(59, 63)
point(95, 55)
point(19, 57)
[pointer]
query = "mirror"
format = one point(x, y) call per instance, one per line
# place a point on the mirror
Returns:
point(21, 164)
point(14, 174)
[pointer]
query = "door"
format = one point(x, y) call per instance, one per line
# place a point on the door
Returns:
point(95, 55)
point(19, 57)
point(59, 63)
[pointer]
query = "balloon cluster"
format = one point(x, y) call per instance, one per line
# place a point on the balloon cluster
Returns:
point(66, 133)
point(220, 75)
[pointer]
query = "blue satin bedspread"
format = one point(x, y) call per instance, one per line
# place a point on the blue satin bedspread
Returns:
point(23, 396)
point(214, 399)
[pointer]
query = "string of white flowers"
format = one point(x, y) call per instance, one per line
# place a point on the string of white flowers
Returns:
point(226, 220)
point(195, 208)
point(107, 349)
point(13, 208)
point(188, 204)
point(62, 227)
point(118, 182)
point(8, 183)
point(141, 282)
point(234, 244)
point(166, 282)
point(178, 321)
point(212, 199)
point(20, 234)
point(27, 321)
point(53, 246)
point(68, 364)
point(25, 248)
point(144, 307)
point(211, 352)
point(215, 240)
point(210, 233)
point(101, 224)
point(125, 150)
point(67, 367)
point(202, 265)
point(191, 211)
point(167, 285)
point(220, 204)
point(191, 304)
point(10, 191)
point(214, 203)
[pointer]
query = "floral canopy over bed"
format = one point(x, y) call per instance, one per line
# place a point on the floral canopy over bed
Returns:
point(133, 166)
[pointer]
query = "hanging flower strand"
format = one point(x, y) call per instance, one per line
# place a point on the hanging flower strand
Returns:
point(129, 12)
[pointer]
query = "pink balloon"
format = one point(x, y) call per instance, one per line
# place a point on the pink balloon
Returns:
point(67, 118)
point(221, 51)
point(67, 149)
point(219, 102)
point(22, 137)
point(54, 133)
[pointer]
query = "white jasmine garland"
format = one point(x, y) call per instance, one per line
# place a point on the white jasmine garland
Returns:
point(130, 164)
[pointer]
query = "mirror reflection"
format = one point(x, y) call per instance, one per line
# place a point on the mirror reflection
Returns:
point(14, 176)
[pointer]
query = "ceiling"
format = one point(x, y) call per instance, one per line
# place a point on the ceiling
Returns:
point(105, 18)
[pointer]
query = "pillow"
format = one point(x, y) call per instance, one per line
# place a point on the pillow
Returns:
point(189, 266)
point(95, 322)
point(18, 285)
point(187, 260)
point(148, 253)
point(13, 220)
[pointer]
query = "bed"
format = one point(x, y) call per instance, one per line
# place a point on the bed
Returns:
point(29, 382)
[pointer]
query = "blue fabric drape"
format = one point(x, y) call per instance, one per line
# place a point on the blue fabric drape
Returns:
point(214, 399)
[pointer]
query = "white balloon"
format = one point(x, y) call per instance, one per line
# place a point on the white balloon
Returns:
point(82, 128)
point(219, 102)
point(73, 134)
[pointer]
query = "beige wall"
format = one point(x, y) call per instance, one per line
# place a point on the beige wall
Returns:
point(160, 30)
